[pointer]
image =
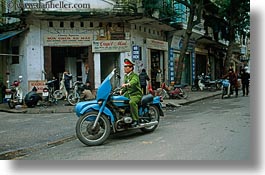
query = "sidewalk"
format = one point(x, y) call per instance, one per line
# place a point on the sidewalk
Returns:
point(64, 107)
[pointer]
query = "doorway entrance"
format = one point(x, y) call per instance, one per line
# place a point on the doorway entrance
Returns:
point(59, 59)
point(157, 68)
point(108, 61)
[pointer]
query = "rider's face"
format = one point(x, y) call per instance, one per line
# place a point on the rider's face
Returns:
point(127, 69)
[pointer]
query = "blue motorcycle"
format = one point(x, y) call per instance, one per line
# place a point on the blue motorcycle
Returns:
point(110, 113)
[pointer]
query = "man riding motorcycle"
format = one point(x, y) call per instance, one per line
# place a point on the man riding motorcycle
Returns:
point(131, 89)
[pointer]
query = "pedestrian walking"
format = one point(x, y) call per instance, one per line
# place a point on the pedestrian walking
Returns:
point(143, 80)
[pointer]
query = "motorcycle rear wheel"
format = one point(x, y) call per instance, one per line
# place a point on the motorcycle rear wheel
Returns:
point(89, 136)
point(154, 115)
point(58, 94)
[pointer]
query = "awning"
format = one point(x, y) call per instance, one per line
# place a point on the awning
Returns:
point(207, 41)
point(9, 34)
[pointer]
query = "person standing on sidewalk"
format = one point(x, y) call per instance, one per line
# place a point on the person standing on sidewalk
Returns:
point(131, 89)
point(143, 78)
point(67, 77)
point(245, 76)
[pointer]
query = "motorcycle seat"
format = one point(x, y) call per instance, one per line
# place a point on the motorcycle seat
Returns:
point(212, 82)
point(146, 99)
point(50, 82)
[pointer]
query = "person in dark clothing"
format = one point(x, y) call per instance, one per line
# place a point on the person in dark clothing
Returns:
point(3, 90)
point(67, 77)
point(32, 98)
point(143, 78)
point(245, 76)
point(233, 80)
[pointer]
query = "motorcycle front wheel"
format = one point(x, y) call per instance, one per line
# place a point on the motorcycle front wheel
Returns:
point(73, 99)
point(224, 92)
point(154, 116)
point(89, 136)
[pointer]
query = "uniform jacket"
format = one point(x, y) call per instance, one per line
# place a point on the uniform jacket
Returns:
point(134, 87)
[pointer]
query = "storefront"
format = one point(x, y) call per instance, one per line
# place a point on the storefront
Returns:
point(158, 61)
point(109, 54)
point(189, 63)
point(67, 52)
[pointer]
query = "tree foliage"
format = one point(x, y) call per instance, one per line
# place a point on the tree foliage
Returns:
point(231, 18)
point(236, 14)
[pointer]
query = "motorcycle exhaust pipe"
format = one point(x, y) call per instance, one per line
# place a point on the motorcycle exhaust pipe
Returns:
point(143, 125)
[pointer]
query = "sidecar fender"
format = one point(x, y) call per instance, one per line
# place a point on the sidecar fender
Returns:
point(81, 105)
point(96, 107)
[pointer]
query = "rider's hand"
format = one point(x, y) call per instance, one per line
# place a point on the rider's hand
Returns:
point(125, 85)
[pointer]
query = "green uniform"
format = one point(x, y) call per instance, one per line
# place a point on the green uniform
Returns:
point(133, 92)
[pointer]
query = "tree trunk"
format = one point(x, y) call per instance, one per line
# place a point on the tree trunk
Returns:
point(184, 46)
point(230, 48)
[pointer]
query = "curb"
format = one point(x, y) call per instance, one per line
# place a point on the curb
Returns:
point(199, 99)
point(70, 109)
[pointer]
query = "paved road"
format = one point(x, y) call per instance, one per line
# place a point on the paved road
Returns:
point(212, 129)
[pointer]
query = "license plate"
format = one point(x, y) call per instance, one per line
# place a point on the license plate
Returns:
point(8, 95)
point(45, 94)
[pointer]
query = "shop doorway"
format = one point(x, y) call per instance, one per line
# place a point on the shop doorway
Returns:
point(59, 59)
point(201, 62)
point(108, 61)
point(157, 68)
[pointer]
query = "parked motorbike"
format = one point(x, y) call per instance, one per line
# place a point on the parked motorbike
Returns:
point(74, 97)
point(176, 91)
point(14, 94)
point(48, 92)
point(60, 93)
point(110, 113)
point(32, 98)
point(203, 82)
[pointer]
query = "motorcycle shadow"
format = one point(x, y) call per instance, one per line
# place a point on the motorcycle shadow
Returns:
point(125, 135)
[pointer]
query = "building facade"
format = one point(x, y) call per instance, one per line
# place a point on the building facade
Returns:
point(87, 45)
